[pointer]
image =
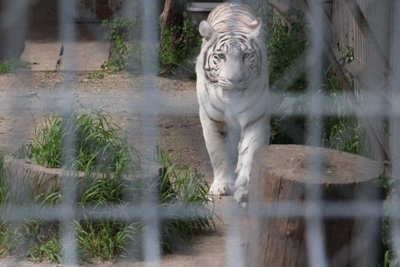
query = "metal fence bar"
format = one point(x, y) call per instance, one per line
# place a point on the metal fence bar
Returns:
point(152, 237)
point(235, 240)
point(314, 227)
point(235, 251)
point(395, 128)
point(69, 186)
point(128, 212)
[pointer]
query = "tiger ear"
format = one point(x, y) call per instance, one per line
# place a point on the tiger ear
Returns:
point(255, 26)
point(206, 30)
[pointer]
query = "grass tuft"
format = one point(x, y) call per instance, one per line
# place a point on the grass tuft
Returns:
point(183, 185)
point(98, 143)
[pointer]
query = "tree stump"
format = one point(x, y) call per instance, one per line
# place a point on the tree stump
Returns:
point(282, 173)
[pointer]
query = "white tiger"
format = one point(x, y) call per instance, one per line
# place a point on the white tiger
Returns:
point(232, 90)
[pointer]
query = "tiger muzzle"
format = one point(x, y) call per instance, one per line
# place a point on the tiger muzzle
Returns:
point(232, 85)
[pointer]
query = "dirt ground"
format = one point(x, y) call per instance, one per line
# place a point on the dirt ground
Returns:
point(27, 97)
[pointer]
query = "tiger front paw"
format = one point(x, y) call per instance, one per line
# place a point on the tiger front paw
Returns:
point(241, 196)
point(221, 188)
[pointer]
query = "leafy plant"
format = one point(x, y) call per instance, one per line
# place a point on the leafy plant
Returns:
point(389, 185)
point(286, 45)
point(342, 132)
point(174, 51)
point(389, 260)
point(125, 53)
point(347, 53)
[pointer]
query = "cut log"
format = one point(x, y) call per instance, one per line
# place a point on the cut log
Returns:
point(26, 181)
point(282, 173)
point(172, 14)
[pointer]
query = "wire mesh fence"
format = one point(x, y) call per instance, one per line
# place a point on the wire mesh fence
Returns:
point(336, 87)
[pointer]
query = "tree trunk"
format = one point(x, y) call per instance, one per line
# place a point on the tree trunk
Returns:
point(171, 20)
point(172, 14)
point(103, 9)
point(171, 26)
point(281, 173)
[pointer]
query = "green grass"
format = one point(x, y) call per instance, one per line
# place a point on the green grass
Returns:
point(106, 240)
point(112, 186)
point(99, 144)
point(96, 75)
point(7, 66)
point(183, 185)
point(49, 250)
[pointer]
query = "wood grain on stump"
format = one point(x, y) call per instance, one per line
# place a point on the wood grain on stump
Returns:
point(282, 173)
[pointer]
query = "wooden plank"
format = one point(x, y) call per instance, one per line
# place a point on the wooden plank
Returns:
point(201, 6)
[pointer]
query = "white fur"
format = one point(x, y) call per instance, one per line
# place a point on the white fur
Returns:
point(232, 157)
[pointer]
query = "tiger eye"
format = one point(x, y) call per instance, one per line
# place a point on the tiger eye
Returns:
point(220, 56)
point(246, 54)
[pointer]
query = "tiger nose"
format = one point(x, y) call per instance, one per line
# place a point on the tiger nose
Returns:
point(235, 73)
point(235, 79)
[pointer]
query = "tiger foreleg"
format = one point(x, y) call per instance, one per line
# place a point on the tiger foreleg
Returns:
point(215, 136)
point(254, 136)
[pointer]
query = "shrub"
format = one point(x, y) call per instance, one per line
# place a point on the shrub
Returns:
point(286, 45)
point(125, 53)
point(174, 52)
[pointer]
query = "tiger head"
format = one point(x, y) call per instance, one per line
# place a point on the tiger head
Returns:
point(234, 55)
